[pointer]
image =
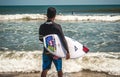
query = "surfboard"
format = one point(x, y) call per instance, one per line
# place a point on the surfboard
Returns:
point(53, 44)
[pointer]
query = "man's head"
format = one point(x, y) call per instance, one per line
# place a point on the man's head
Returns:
point(51, 12)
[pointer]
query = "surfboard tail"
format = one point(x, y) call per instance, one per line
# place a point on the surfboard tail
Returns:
point(85, 49)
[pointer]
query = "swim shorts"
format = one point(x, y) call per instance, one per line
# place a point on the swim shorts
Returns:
point(47, 61)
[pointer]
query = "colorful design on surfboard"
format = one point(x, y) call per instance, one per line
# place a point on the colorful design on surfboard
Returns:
point(50, 43)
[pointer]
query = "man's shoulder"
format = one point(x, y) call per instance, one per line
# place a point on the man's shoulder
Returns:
point(42, 25)
point(56, 24)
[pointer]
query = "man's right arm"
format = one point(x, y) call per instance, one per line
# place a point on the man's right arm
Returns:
point(40, 34)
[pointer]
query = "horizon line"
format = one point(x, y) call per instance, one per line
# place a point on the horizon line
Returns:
point(60, 5)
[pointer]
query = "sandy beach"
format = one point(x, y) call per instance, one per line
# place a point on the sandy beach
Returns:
point(76, 74)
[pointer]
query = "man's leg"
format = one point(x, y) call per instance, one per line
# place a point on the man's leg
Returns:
point(44, 73)
point(60, 73)
point(47, 61)
point(58, 65)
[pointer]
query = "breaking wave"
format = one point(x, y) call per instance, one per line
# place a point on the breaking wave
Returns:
point(61, 17)
point(22, 61)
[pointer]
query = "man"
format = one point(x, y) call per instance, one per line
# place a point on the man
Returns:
point(50, 27)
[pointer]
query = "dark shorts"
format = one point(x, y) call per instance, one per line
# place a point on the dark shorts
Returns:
point(47, 61)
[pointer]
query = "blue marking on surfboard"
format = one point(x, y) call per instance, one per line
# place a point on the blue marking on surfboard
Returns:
point(50, 43)
point(75, 48)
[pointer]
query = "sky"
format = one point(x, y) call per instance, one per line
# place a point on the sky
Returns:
point(59, 2)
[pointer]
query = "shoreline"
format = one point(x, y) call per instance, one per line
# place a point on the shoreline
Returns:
point(84, 73)
point(30, 62)
point(90, 18)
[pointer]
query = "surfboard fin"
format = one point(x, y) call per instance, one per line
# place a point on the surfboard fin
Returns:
point(85, 49)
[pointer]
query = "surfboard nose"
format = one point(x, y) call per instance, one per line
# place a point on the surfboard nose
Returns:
point(85, 49)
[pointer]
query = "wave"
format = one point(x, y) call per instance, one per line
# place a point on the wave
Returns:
point(61, 17)
point(22, 61)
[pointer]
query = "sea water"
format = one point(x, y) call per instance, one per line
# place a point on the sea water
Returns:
point(97, 28)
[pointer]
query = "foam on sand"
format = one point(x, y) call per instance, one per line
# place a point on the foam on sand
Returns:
point(21, 61)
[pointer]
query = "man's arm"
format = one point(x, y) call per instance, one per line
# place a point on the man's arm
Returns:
point(63, 40)
point(40, 34)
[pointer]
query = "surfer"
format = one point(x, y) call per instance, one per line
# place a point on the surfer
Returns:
point(50, 27)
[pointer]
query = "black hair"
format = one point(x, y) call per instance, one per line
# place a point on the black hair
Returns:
point(51, 12)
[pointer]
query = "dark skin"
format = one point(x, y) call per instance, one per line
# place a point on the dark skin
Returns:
point(60, 73)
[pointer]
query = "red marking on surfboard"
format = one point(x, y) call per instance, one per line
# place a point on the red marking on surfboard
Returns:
point(85, 49)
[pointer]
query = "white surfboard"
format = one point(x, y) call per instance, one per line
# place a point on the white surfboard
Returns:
point(53, 44)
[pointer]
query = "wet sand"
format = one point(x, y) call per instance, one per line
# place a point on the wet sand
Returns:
point(78, 74)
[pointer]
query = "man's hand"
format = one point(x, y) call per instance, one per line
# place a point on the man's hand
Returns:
point(67, 56)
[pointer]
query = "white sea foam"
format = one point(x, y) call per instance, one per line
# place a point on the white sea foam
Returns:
point(22, 16)
point(89, 18)
point(102, 62)
point(31, 61)
point(20, 61)
point(62, 17)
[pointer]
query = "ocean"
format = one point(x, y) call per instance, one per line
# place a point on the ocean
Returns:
point(95, 26)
